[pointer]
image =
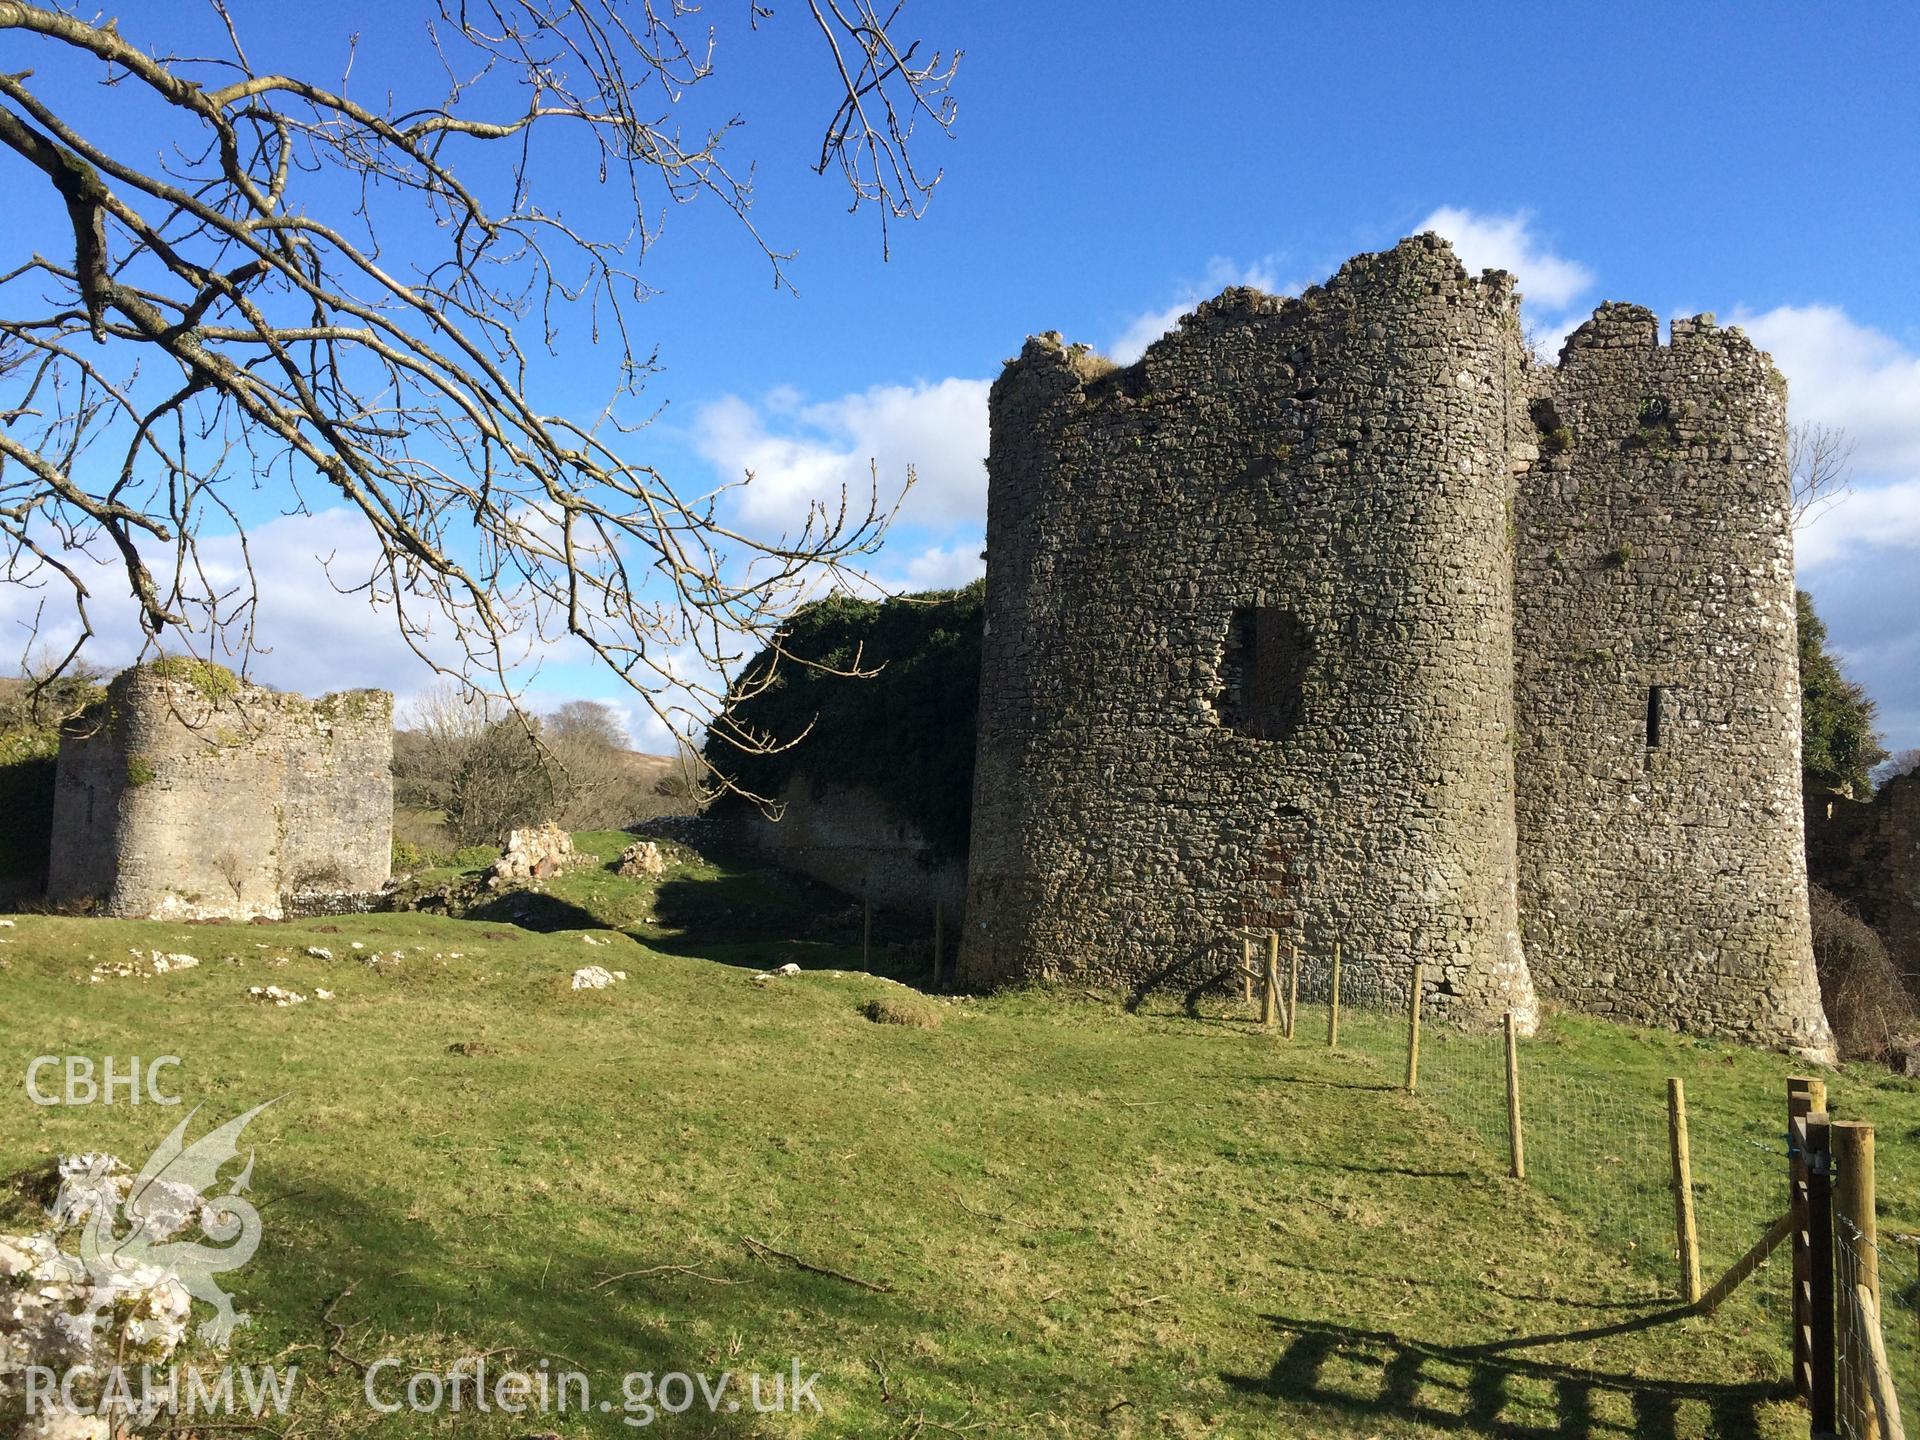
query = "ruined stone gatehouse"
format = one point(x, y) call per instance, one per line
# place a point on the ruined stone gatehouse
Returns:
point(1340, 616)
point(190, 794)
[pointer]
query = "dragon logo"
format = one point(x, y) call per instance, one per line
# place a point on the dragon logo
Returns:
point(171, 1196)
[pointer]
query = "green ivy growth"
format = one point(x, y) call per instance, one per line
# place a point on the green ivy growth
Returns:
point(906, 734)
point(215, 683)
point(139, 770)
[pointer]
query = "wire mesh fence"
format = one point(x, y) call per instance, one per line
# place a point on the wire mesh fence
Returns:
point(1598, 1151)
point(1607, 1149)
point(1874, 1360)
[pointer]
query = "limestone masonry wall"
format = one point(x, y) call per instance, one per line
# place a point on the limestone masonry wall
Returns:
point(1271, 612)
point(190, 795)
point(1869, 853)
point(845, 838)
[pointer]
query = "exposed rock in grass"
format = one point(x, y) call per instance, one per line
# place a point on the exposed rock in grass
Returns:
point(641, 859)
point(536, 853)
point(766, 976)
point(596, 977)
point(903, 1010)
point(274, 995)
point(144, 966)
point(78, 1319)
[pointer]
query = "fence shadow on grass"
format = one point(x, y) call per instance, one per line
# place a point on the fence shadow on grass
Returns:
point(1375, 1377)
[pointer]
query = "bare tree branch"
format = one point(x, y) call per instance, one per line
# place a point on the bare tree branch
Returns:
point(1820, 460)
point(310, 289)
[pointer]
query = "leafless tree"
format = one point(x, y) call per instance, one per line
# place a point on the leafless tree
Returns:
point(1901, 762)
point(288, 284)
point(1820, 459)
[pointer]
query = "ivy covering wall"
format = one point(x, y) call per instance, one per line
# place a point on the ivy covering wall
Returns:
point(905, 734)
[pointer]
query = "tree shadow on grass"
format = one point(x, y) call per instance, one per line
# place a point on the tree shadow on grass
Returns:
point(1374, 1377)
point(756, 915)
point(345, 1281)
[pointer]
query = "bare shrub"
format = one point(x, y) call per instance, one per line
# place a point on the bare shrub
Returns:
point(1867, 1002)
point(475, 770)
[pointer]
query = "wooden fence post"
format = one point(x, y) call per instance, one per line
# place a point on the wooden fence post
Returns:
point(1246, 968)
point(1333, 1006)
point(1293, 988)
point(1856, 1228)
point(1516, 1142)
point(1821, 1408)
point(939, 938)
point(1413, 1030)
point(1686, 1237)
point(1805, 1095)
point(1270, 1007)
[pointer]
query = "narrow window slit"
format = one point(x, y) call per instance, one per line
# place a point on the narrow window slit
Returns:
point(1656, 708)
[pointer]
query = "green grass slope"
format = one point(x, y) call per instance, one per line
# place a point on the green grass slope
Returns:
point(1071, 1219)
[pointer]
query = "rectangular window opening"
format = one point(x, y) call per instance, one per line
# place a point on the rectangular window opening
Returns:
point(1261, 687)
point(1656, 713)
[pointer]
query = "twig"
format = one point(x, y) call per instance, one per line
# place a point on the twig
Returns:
point(977, 1214)
point(662, 1270)
point(334, 1351)
point(757, 1248)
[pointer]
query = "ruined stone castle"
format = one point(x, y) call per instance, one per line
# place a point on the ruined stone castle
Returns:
point(189, 794)
point(1340, 616)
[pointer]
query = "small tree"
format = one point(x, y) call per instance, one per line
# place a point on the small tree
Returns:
point(1820, 460)
point(1838, 744)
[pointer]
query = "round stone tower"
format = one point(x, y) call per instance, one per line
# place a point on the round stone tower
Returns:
point(1249, 645)
point(1663, 859)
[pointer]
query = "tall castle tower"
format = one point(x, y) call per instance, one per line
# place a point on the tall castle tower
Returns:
point(1663, 872)
point(1270, 616)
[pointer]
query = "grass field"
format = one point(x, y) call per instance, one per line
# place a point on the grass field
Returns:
point(1071, 1219)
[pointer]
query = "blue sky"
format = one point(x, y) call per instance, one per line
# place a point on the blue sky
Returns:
point(1115, 163)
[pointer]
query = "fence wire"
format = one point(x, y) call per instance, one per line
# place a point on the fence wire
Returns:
point(1599, 1145)
point(1887, 1274)
point(1592, 1143)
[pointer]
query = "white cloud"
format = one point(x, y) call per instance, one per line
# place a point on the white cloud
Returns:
point(1145, 328)
point(1861, 557)
point(316, 638)
point(1507, 242)
point(1840, 372)
point(799, 453)
point(938, 567)
point(1884, 516)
